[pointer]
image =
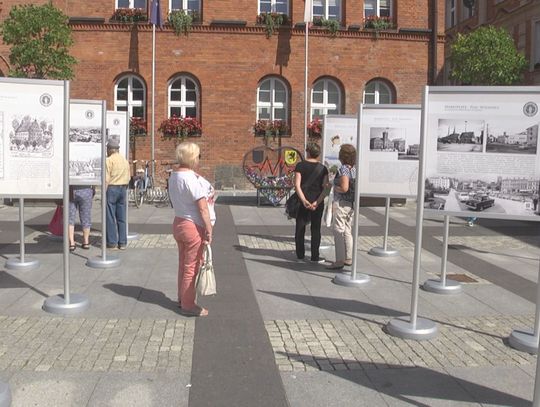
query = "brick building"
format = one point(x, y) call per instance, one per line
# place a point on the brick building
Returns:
point(228, 74)
point(520, 17)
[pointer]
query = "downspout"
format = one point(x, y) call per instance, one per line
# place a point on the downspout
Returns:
point(434, 41)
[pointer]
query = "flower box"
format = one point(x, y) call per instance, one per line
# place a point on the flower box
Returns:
point(137, 127)
point(129, 15)
point(378, 23)
point(270, 128)
point(180, 127)
point(315, 128)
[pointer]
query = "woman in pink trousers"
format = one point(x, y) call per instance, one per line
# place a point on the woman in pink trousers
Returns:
point(192, 227)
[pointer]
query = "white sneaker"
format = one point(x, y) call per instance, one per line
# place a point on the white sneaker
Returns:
point(320, 261)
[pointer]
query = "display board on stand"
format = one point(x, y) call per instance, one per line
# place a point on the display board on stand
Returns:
point(482, 155)
point(85, 138)
point(117, 129)
point(389, 150)
point(337, 130)
point(31, 137)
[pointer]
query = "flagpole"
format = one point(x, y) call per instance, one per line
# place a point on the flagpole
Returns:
point(306, 88)
point(153, 97)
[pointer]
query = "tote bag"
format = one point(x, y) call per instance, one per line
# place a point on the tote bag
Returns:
point(206, 280)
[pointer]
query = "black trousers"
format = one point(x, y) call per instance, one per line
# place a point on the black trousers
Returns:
point(304, 217)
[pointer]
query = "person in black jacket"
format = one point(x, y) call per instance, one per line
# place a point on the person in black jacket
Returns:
point(311, 184)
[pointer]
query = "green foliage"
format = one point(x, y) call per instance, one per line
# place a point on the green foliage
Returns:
point(330, 25)
point(272, 21)
point(487, 56)
point(180, 21)
point(40, 38)
point(129, 15)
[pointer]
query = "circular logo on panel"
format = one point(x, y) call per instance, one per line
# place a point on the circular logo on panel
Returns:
point(45, 100)
point(116, 122)
point(89, 114)
point(530, 109)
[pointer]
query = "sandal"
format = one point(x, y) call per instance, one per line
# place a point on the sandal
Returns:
point(195, 312)
point(72, 247)
point(85, 246)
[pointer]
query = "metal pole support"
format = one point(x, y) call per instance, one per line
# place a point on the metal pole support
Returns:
point(22, 262)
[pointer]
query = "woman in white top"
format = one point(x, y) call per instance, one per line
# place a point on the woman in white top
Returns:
point(192, 227)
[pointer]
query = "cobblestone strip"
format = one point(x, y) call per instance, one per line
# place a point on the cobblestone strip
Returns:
point(308, 345)
point(490, 243)
point(127, 345)
point(287, 242)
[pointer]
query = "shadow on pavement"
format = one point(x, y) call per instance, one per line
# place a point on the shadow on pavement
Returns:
point(144, 295)
point(408, 383)
point(8, 281)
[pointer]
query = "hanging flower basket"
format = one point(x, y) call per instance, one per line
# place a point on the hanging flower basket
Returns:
point(137, 127)
point(129, 15)
point(180, 127)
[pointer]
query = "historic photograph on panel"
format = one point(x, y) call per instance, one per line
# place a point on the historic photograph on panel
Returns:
point(85, 149)
point(391, 139)
point(511, 138)
point(31, 137)
point(481, 193)
point(460, 135)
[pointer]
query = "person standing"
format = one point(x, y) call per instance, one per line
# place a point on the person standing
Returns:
point(310, 183)
point(80, 199)
point(192, 225)
point(343, 207)
point(116, 181)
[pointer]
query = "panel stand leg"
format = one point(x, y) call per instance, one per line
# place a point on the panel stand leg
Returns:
point(385, 251)
point(443, 286)
point(412, 327)
point(67, 303)
point(130, 235)
point(22, 262)
point(525, 339)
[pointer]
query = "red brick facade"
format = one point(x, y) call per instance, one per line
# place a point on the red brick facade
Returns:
point(228, 62)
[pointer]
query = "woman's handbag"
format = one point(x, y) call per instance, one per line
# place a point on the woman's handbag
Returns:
point(292, 205)
point(56, 224)
point(205, 282)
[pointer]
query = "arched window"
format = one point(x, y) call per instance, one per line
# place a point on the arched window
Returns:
point(328, 9)
point(379, 8)
point(272, 100)
point(378, 92)
point(183, 97)
point(325, 98)
point(130, 96)
point(191, 6)
point(131, 4)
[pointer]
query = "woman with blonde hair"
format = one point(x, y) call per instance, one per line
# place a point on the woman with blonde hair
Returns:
point(192, 226)
point(343, 211)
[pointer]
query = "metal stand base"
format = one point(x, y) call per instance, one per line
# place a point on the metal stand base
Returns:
point(5, 395)
point(380, 252)
point(345, 279)
point(56, 238)
point(15, 263)
point(402, 328)
point(57, 305)
point(100, 263)
point(132, 236)
point(524, 340)
point(437, 287)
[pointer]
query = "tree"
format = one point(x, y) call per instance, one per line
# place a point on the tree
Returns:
point(486, 56)
point(40, 38)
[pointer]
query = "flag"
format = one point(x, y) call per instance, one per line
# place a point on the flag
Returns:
point(155, 13)
point(308, 11)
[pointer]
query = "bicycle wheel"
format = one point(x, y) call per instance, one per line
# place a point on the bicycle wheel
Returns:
point(138, 193)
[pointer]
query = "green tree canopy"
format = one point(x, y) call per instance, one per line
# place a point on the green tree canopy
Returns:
point(40, 38)
point(486, 56)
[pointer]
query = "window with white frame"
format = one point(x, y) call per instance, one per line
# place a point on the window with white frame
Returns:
point(191, 6)
point(130, 96)
point(274, 6)
point(325, 98)
point(379, 8)
point(272, 100)
point(451, 13)
point(377, 92)
point(131, 4)
point(327, 9)
point(536, 44)
point(183, 97)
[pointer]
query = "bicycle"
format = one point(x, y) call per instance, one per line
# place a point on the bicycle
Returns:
point(142, 184)
point(162, 198)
